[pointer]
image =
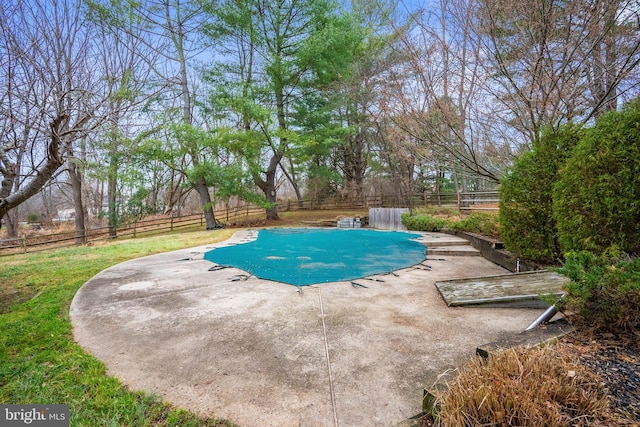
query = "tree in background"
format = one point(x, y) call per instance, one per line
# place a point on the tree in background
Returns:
point(54, 94)
point(126, 68)
point(279, 56)
point(168, 34)
point(559, 61)
point(217, 166)
point(437, 94)
point(577, 190)
point(300, 94)
point(358, 93)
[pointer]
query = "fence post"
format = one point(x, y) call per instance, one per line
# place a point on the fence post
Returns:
point(134, 228)
point(24, 244)
point(171, 222)
point(459, 200)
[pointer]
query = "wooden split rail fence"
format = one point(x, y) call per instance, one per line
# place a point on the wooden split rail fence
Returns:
point(34, 242)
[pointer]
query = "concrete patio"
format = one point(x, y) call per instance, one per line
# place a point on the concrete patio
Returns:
point(260, 353)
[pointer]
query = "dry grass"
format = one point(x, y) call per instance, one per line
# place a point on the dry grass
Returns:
point(36, 230)
point(302, 218)
point(520, 387)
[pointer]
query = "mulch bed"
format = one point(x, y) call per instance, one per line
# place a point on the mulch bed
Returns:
point(617, 362)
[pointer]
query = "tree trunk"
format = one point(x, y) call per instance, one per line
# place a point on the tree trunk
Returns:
point(611, 58)
point(6, 187)
point(291, 176)
point(454, 174)
point(76, 186)
point(175, 192)
point(99, 203)
point(201, 187)
point(272, 210)
point(439, 179)
point(12, 223)
point(205, 200)
point(268, 187)
point(112, 187)
point(47, 202)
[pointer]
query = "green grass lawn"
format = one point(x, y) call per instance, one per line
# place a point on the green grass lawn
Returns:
point(39, 361)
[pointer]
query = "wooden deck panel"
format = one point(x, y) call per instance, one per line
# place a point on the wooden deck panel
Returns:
point(503, 289)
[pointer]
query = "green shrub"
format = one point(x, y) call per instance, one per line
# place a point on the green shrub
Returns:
point(604, 292)
point(527, 224)
point(33, 218)
point(480, 223)
point(421, 222)
point(597, 198)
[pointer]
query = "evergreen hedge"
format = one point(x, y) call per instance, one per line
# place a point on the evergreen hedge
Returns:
point(527, 224)
point(604, 292)
point(597, 197)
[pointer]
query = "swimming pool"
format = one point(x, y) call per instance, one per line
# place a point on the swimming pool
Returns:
point(305, 256)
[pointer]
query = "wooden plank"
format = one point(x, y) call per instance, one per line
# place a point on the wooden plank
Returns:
point(504, 288)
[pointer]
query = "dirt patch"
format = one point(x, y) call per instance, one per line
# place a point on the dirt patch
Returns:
point(9, 297)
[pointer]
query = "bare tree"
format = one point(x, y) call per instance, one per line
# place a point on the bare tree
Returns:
point(53, 94)
point(437, 93)
point(558, 61)
point(128, 63)
point(479, 79)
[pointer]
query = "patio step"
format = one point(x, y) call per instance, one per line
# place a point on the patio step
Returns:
point(458, 250)
point(442, 244)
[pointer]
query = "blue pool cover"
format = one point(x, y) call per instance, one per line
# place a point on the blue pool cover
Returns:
point(304, 256)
